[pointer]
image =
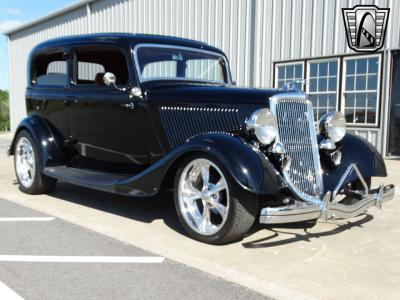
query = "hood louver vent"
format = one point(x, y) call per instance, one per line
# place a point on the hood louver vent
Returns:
point(181, 123)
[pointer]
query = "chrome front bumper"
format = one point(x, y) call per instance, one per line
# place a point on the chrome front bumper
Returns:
point(329, 208)
point(302, 211)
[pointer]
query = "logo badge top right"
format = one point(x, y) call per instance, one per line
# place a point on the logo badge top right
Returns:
point(365, 27)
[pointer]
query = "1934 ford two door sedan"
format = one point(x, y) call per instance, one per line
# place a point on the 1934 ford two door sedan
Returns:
point(133, 114)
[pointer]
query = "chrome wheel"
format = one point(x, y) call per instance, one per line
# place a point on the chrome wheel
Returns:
point(203, 196)
point(25, 163)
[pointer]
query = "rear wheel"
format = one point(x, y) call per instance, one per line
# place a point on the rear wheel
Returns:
point(28, 167)
point(210, 205)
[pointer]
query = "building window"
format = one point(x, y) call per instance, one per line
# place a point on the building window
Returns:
point(360, 91)
point(323, 86)
point(289, 72)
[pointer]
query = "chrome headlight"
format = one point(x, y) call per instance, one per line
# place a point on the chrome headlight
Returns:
point(262, 123)
point(333, 126)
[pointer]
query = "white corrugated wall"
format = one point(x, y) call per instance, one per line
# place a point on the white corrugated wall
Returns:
point(293, 29)
point(19, 47)
point(253, 34)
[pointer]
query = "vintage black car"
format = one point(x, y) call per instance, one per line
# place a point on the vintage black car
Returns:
point(132, 114)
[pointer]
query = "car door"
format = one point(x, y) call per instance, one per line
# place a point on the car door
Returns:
point(47, 89)
point(107, 125)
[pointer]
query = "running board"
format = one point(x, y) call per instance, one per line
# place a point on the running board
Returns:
point(102, 181)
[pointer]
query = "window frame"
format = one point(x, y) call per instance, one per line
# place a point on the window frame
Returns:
point(33, 74)
point(338, 79)
point(378, 88)
point(95, 46)
point(288, 63)
point(227, 71)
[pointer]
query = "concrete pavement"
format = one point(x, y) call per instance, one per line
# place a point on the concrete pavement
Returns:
point(68, 276)
point(336, 259)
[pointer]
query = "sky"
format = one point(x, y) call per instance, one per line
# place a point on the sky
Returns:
point(15, 13)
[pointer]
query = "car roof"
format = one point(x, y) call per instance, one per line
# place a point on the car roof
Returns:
point(123, 39)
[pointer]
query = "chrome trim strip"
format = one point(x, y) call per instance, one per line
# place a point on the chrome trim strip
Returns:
point(315, 153)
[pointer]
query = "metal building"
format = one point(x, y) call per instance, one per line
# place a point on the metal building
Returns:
point(268, 43)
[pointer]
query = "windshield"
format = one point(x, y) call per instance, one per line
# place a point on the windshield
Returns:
point(160, 62)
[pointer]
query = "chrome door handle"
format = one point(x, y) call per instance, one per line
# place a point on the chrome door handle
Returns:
point(129, 105)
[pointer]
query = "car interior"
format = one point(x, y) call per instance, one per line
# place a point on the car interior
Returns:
point(90, 67)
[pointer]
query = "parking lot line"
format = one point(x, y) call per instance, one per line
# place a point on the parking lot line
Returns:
point(7, 293)
point(28, 219)
point(83, 259)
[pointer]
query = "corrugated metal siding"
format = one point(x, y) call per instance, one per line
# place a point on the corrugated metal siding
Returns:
point(223, 23)
point(372, 135)
point(295, 29)
point(298, 29)
point(20, 45)
point(253, 33)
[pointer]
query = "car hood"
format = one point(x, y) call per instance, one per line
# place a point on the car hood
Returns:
point(210, 94)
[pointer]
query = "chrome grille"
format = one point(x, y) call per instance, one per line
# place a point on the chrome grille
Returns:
point(181, 123)
point(297, 132)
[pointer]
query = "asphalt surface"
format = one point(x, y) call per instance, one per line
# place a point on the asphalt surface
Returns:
point(4, 144)
point(98, 280)
point(76, 280)
point(339, 259)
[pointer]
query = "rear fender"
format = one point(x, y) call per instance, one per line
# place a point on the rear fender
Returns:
point(46, 142)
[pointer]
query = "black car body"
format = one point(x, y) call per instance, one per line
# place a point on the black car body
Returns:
point(170, 103)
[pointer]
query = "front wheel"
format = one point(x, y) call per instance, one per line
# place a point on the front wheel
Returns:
point(28, 166)
point(210, 205)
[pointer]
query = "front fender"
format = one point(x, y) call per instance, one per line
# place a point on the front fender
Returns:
point(249, 167)
point(356, 150)
point(44, 139)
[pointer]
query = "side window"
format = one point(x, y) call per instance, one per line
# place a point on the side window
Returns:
point(50, 70)
point(91, 65)
point(87, 71)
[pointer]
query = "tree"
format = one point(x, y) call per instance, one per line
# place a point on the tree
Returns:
point(4, 111)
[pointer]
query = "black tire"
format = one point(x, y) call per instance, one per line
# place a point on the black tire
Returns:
point(241, 213)
point(41, 184)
